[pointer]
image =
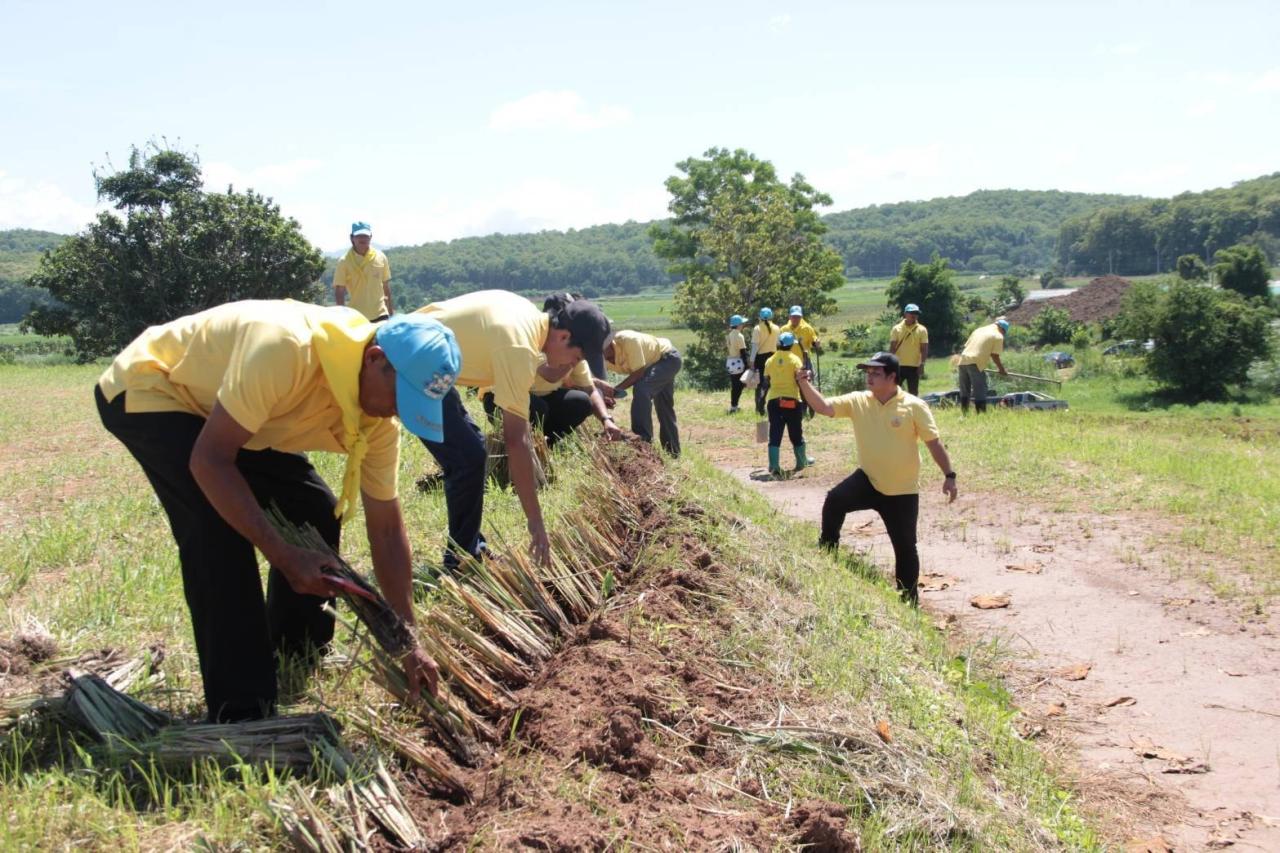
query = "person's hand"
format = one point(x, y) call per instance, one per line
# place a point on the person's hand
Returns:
point(806, 375)
point(304, 569)
point(949, 489)
point(421, 671)
point(539, 545)
point(922, 376)
point(817, 346)
point(612, 431)
point(1004, 372)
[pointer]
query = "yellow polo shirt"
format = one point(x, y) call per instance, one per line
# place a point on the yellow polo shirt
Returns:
point(634, 351)
point(908, 339)
point(579, 376)
point(735, 343)
point(984, 341)
point(258, 359)
point(781, 370)
point(364, 277)
point(501, 336)
point(886, 436)
point(764, 337)
point(805, 336)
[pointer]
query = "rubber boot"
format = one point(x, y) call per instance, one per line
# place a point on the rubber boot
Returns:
point(802, 458)
point(775, 466)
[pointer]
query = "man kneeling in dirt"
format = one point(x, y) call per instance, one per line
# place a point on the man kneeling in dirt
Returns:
point(887, 423)
point(217, 408)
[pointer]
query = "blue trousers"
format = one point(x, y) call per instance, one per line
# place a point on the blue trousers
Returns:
point(462, 457)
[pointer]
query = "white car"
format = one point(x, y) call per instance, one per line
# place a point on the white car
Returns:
point(1032, 400)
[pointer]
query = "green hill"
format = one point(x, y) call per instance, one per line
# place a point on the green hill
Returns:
point(20, 251)
point(1148, 236)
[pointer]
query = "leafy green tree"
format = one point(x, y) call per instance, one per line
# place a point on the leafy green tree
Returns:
point(1050, 280)
point(1053, 326)
point(740, 239)
point(1138, 311)
point(1192, 268)
point(175, 250)
point(1243, 269)
point(1081, 339)
point(1009, 293)
point(1206, 339)
point(931, 287)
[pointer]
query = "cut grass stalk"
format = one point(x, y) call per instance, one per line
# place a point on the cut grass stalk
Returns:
point(413, 751)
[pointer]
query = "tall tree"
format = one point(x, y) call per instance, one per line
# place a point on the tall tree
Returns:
point(1205, 340)
point(1191, 268)
point(175, 250)
point(930, 286)
point(1243, 269)
point(740, 239)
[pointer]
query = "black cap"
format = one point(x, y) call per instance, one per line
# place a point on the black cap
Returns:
point(887, 360)
point(587, 327)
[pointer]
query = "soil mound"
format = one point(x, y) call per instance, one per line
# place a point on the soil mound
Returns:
point(1098, 300)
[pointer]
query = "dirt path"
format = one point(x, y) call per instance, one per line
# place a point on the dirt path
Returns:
point(1178, 716)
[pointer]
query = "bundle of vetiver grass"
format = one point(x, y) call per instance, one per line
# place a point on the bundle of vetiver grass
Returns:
point(386, 626)
point(131, 730)
point(498, 468)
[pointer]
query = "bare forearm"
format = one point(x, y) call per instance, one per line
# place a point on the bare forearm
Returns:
point(924, 355)
point(632, 378)
point(999, 363)
point(386, 291)
point(515, 434)
point(814, 400)
point(939, 454)
point(598, 407)
point(340, 295)
point(392, 557)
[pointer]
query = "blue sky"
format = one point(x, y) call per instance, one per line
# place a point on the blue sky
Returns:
point(434, 121)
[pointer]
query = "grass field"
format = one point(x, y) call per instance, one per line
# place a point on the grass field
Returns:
point(85, 555)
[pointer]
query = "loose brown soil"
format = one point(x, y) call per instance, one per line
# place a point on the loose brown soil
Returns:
point(1098, 300)
point(1164, 696)
point(613, 741)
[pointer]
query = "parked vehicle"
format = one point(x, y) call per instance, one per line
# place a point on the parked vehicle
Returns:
point(1031, 400)
point(1129, 347)
point(1060, 359)
point(943, 399)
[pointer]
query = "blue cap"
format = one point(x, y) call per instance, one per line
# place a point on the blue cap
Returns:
point(737, 320)
point(427, 362)
point(1003, 324)
point(766, 313)
point(358, 228)
point(911, 308)
point(796, 311)
point(786, 340)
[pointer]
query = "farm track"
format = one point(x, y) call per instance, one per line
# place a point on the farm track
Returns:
point(1164, 695)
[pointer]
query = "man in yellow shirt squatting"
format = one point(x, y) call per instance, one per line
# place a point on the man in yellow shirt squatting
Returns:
point(651, 365)
point(909, 341)
point(217, 407)
point(887, 423)
point(786, 409)
point(504, 339)
point(984, 346)
point(363, 276)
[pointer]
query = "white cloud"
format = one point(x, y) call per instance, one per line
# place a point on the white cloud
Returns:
point(562, 110)
point(268, 179)
point(41, 205)
point(1268, 81)
point(779, 22)
point(1202, 108)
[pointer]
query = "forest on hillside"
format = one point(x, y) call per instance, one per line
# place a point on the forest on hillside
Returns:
point(1149, 236)
point(991, 231)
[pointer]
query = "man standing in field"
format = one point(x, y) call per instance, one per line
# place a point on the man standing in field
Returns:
point(984, 346)
point(887, 423)
point(651, 365)
point(504, 339)
point(806, 336)
point(217, 408)
point(909, 341)
point(363, 276)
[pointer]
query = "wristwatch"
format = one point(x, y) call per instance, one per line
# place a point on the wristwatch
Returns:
point(951, 475)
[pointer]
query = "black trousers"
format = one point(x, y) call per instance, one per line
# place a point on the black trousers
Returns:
point(909, 378)
point(462, 457)
point(762, 389)
point(237, 633)
point(735, 389)
point(790, 419)
point(899, 513)
point(557, 414)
